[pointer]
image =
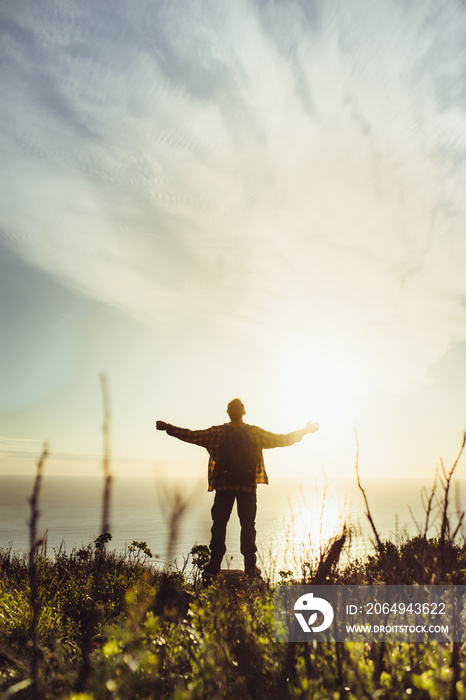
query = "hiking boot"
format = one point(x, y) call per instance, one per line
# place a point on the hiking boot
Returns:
point(252, 571)
point(210, 571)
point(209, 574)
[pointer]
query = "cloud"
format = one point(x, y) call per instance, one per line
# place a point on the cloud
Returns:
point(40, 331)
point(290, 172)
point(20, 447)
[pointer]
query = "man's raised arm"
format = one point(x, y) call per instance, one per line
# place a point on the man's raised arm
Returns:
point(269, 439)
point(311, 427)
point(205, 438)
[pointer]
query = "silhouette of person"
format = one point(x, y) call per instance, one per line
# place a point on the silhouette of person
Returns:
point(236, 466)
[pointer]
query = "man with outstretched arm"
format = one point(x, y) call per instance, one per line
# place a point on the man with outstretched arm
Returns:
point(236, 466)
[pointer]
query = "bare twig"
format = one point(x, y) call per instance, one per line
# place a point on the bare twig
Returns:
point(460, 513)
point(368, 512)
point(173, 506)
point(418, 528)
point(33, 578)
point(94, 613)
point(322, 509)
point(178, 508)
point(106, 455)
point(458, 527)
point(447, 476)
point(428, 507)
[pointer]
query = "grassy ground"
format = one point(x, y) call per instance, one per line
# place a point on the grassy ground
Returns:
point(114, 626)
point(94, 624)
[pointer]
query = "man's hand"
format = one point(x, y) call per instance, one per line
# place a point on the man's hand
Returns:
point(161, 425)
point(311, 427)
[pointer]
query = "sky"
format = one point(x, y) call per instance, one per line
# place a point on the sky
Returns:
point(259, 198)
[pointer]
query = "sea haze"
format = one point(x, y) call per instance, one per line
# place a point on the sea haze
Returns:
point(293, 520)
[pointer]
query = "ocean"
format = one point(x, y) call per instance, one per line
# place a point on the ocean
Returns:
point(294, 520)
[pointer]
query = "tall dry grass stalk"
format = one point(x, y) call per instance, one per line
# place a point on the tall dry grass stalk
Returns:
point(173, 506)
point(95, 612)
point(34, 543)
point(106, 455)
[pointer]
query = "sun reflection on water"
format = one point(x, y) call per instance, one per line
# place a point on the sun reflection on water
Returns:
point(304, 528)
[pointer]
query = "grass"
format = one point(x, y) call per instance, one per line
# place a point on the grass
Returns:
point(156, 635)
point(94, 624)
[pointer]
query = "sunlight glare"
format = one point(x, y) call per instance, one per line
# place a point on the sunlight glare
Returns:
point(322, 388)
point(313, 518)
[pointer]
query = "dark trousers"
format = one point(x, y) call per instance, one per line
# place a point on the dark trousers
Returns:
point(246, 504)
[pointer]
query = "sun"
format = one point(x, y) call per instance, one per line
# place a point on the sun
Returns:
point(322, 387)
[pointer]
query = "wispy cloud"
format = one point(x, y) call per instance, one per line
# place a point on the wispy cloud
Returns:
point(299, 166)
point(20, 447)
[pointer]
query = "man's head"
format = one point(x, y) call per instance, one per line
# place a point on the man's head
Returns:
point(236, 410)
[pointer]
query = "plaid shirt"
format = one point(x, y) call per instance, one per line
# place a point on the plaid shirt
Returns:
point(212, 438)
